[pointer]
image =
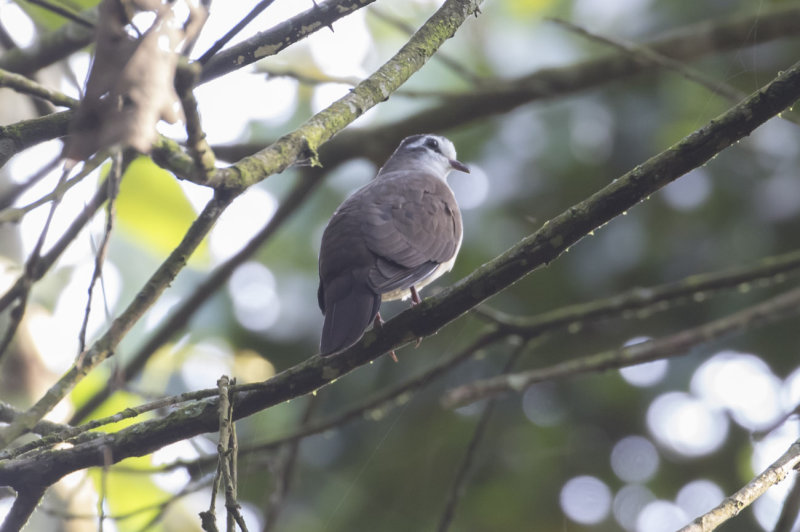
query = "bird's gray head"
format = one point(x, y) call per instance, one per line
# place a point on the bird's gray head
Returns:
point(431, 153)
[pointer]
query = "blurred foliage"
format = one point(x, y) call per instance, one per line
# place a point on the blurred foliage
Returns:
point(392, 470)
point(46, 19)
point(153, 210)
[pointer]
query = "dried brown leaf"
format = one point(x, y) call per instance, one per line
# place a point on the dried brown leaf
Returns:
point(130, 87)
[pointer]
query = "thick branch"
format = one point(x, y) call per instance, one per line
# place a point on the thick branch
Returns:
point(21, 510)
point(27, 133)
point(644, 301)
point(433, 313)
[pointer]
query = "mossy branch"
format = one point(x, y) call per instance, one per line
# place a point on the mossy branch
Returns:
point(731, 506)
point(305, 141)
point(680, 343)
point(432, 314)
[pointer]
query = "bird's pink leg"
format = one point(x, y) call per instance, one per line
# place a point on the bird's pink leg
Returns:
point(378, 324)
point(415, 299)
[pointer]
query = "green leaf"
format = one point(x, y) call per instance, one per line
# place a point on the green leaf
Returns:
point(129, 493)
point(46, 19)
point(153, 210)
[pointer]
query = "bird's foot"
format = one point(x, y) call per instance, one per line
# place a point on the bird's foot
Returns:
point(415, 299)
point(378, 324)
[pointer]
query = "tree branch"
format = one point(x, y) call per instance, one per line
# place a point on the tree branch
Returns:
point(277, 38)
point(180, 315)
point(643, 301)
point(21, 510)
point(778, 307)
point(754, 489)
point(306, 140)
point(104, 346)
point(25, 85)
point(686, 44)
point(50, 47)
point(433, 313)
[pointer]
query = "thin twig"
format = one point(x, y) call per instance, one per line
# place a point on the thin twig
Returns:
point(112, 182)
point(18, 311)
point(26, 85)
point(642, 302)
point(61, 11)
point(208, 518)
point(652, 57)
point(454, 65)
point(103, 491)
point(790, 509)
point(278, 37)
point(227, 456)
point(199, 149)
point(731, 506)
point(179, 317)
point(465, 468)
point(9, 196)
point(47, 260)
point(190, 488)
point(225, 39)
point(773, 309)
point(104, 346)
point(285, 470)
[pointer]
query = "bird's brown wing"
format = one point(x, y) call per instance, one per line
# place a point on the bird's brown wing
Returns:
point(411, 225)
point(389, 235)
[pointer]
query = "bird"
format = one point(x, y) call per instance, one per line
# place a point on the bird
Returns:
point(389, 239)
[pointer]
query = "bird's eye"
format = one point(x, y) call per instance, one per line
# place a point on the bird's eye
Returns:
point(432, 144)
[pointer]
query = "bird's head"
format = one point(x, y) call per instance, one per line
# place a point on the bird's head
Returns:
point(431, 153)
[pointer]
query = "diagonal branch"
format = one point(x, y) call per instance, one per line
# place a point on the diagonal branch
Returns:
point(306, 140)
point(441, 26)
point(435, 312)
point(180, 315)
point(274, 40)
point(731, 506)
point(686, 44)
point(25, 85)
point(778, 307)
point(105, 345)
point(24, 505)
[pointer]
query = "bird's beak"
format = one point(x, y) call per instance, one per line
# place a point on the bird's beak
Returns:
point(458, 165)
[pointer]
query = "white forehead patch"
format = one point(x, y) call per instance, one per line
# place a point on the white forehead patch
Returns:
point(445, 146)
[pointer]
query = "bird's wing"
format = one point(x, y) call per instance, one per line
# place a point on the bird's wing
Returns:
point(411, 224)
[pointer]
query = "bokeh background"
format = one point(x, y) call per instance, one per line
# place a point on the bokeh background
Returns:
point(646, 448)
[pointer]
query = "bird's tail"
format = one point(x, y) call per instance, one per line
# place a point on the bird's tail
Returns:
point(347, 318)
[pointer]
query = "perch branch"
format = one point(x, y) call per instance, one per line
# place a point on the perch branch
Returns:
point(433, 313)
point(731, 506)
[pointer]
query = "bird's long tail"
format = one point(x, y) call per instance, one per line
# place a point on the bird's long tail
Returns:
point(347, 318)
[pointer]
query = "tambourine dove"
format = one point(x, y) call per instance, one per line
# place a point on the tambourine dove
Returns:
point(389, 239)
